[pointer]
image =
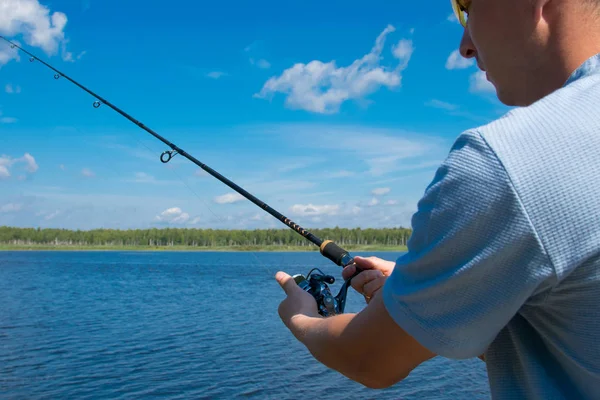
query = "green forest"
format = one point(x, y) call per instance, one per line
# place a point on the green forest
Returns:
point(356, 238)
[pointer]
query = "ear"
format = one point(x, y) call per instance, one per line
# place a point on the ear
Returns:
point(539, 6)
point(540, 19)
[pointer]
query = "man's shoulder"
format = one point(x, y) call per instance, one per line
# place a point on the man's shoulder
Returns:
point(564, 111)
point(549, 151)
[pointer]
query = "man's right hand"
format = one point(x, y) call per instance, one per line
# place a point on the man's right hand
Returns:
point(371, 279)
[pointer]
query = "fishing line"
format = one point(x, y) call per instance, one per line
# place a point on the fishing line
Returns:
point(327, 248)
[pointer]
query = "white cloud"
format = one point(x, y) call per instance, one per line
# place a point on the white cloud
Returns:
point(216, 74)
point(373, 202)
point(258, 217)
point(382, 150)
point(39, 26)
point(262, 63)
point(452, 18)
point(480, 84)
point(456, 61)
point(8, 120)
point(278, 186)
point(142, 177)
point(139, 152)
point(380, 191)
point(340, 174)
point(31, 164)
point(66, 55)
point(441, 104)
point(11, 207)
point(7, 53)
point(453, 109)
point(403, 50)
point(10, 89)
point(4, 173)
point(294, 163)
point(89, 211)
point(173, 216)
point(312, 210)
point(381, 153)
point(87, 173)
point(254, 50)
point(7, 162)
point(52, 215)
point(322, 87)
point(201, 173)
point(229, 198)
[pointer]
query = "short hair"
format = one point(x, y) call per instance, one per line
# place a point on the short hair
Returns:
point(593, 6)
point(593, 3)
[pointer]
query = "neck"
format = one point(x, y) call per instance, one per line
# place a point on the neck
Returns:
point(568, 35)
point(574, 37)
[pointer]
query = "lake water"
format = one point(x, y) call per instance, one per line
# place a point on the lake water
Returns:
point(97, 325)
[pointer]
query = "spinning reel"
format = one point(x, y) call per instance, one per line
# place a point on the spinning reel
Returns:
point(316, 285)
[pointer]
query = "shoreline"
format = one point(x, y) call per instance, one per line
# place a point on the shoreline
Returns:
point(4, 247)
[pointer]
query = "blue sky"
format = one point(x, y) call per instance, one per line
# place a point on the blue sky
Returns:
point(334, 113)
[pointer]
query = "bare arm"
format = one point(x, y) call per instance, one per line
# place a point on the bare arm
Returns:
point(368, 347)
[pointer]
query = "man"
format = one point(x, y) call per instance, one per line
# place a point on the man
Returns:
point(504, 260)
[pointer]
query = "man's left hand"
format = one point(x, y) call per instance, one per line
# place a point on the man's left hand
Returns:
point(368, 347)
point(296, 305)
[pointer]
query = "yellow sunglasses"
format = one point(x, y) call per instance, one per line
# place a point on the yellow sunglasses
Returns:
point(461, 9)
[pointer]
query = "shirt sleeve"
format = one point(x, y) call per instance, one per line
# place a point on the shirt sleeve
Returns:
point(473, 258)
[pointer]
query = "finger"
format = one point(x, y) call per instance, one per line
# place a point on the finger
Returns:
point(371, 287)
point(375, 263)
point(366, 276)
point(287, 283)
point(366, 262)
point(348, 271)
point(359, 281)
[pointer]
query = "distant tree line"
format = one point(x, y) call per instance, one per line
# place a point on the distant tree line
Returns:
point(200, 237)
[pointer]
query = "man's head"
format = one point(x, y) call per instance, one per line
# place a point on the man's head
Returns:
point(528, 48)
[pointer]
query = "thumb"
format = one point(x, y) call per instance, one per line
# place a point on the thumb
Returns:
point(287, 283)
point(364, 262)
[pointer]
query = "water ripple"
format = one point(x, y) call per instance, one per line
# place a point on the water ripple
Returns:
point(91, 325)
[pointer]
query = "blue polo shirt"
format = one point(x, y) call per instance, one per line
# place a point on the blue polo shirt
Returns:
point(504, 259)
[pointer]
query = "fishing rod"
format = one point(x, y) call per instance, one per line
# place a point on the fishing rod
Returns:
point(316, 284)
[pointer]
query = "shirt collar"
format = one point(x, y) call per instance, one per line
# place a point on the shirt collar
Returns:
point(590, 66)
